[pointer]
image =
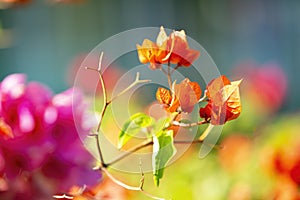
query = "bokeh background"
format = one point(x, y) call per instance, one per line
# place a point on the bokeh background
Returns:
point(256, 40)
point(42, 37)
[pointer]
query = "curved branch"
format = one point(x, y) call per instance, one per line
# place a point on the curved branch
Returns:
point(108, 102)
point(130, 151)
point(129, 187)
point(98, 70)
point(103, 165)
point(136, 81)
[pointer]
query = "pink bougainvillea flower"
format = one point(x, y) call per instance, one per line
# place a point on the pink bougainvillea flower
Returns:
point(167, 49)
point(224, 102)
point(186, 94)
point(40, 147)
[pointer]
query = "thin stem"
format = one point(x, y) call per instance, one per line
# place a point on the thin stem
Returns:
point(118, 182)
point(143, 175)
point(104, 101)
point(164, 71)
point(100, 62)
point(203, 98)
point(108, 102)
point(99, 150)
point(129, 187)
point(206, 132)
point(176, 123)
point(187, 141)
point(150, 195)
point(169, 76)
point(136, 81)
point(175, 68)
point(130, 151)
point(103, 108)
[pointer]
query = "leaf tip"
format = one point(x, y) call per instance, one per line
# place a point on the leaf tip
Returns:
point(156, 180)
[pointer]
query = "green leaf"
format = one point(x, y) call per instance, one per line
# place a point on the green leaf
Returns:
point(133, 126)
point(161, 124)
point(163, 151)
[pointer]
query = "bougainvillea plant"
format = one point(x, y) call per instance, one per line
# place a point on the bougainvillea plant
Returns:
point(221, 101)
point(35, 127)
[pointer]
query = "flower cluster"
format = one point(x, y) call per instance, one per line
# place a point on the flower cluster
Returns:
point(222, 95)
point(167, 49)
point(41, 152)
point(224, 102)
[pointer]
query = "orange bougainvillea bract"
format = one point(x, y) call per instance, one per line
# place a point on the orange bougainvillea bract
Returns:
point(224, 102)
point(186, 94)
point(167, 49)
point(181, 54)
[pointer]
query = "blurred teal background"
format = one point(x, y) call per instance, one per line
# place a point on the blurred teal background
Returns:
point(44, 36)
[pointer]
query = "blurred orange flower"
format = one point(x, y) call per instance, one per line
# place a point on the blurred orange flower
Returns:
point(186, 94)
point(224, 102)
point(167, 49)
point(104, 190)
point(15, 2)
point(5, 130)
point(236, 152)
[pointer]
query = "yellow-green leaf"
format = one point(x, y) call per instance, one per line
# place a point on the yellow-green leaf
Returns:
point(133, 126)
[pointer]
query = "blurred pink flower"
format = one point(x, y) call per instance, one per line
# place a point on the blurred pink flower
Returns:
point(266, 84)
point(41, 152)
